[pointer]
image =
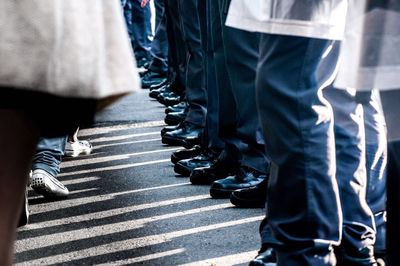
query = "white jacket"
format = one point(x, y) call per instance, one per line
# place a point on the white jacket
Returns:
point(370, 34)
point(307, 18)
point(74, 48)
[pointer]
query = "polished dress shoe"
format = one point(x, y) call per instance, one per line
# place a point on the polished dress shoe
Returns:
point(265, 257)
point(185, 154)
point(169, 98)
point(154, 93)
point(205, 159)
point(247, 177)
point(142, 62)
point(170, 128)
point(187, 135)
point(176, 108)
point(350, 256)
point(160, 85)
point(175, 118)
point(222, 167)
point(252, 197)
point(153, 78)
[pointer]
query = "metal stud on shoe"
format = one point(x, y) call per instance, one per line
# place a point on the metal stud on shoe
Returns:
point(47, 185)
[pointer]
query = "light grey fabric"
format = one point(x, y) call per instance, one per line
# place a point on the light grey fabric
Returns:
point(370, 50)
point(311, 18)
point(68, 48)
point(369, 29)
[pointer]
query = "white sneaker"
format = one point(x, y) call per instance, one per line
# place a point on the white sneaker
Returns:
point(74, 149)
point(47, 185)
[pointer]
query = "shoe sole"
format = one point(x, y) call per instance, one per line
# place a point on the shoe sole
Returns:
point(76, 153)
point(171, 141)
point(181, 170)
point(190, 143)
point(202, 180)
point(241, 203)
point(220, 193)
point(172, 122)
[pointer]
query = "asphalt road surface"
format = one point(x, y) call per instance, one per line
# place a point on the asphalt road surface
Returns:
point(128, 207)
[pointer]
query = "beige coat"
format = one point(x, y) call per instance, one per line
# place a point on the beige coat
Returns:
point(74, 48)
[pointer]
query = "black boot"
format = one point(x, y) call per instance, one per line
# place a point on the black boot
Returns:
point(205, 159)
point(185, 154)
point(252, 197)
point(187, 135)
point(266, 257)
point(246, 178)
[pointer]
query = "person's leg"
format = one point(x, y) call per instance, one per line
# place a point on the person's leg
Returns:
point(159, 46)
point(241, 53)
point(18, 138)
point(376, 160)
point(49, 153)
point(46, 167)
point(195, 76)
point(158, 66)
point(303, 203)
point(358, 234)
point(390, 104)
point(141, 32)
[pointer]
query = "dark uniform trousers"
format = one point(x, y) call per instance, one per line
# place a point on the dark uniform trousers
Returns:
point(186, 37)
point(236, 57)
point(141, 30)
point(159, 45)
point(308, 204)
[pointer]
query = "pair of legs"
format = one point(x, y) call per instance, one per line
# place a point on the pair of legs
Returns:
point(308, 207)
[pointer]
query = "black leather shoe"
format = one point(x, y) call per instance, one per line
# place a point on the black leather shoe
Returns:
point(252, 197)
point(169, 99)
point(247, 177)
point(205, 159)
point(187, 135)
point(265, 257)
point(222, 167)
point(176, 108)
point(170, 128)
point(152, 78)
point(185, 154)
point(175, 118)
point(142, 62)
point(362, 257)
point(154, 93)
point(159, 85)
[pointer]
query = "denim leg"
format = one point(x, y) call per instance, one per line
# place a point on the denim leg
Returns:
point(48, 155)
point(141, 29)
point(303, 204)
point(127, 8)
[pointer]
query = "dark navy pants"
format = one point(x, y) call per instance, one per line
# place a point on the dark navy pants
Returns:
point(195, 90)
point(141, 29)
point(159, 45)
point(303, 205)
